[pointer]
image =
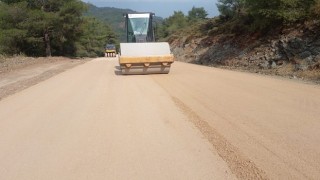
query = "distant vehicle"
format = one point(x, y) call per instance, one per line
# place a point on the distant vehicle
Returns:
point(111, 50)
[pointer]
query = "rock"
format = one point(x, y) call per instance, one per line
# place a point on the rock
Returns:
point(274, 44)
point(254, 58)
point(315, 51)
point(227, 46)
point(317, 58)
point(296, 43)
point(283, 39)
point(271, 54)
point(267, 57)
point(278, 56)
point(317, 43)
point(273, 65)
point(305, 54)
point(264, 65)
point(309, 60)
point(301, 67)
point(280, 63)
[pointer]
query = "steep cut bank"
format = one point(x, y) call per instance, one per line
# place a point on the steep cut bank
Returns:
point(292, 52)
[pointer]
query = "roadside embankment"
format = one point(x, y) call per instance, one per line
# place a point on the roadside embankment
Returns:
point(292, 52)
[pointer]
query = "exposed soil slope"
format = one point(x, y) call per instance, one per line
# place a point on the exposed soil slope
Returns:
point(292, 52)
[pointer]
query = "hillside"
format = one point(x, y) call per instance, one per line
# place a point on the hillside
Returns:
point(292, 52)
point(275, 39)
point(113, 17)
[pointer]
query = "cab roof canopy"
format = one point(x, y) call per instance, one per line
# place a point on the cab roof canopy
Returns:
point(139, 15)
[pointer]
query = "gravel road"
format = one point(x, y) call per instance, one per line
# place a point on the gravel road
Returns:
point(90, 122)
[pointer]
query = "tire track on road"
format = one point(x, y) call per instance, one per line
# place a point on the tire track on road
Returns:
point(240, 165)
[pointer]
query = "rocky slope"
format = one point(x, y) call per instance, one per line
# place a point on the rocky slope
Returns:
point(291, 52)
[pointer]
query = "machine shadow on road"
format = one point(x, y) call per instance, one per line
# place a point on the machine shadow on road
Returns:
point(117, 71)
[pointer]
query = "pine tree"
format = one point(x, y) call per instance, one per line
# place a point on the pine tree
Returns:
point(230, 8)
point(196, 14)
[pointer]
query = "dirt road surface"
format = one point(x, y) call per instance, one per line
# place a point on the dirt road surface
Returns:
point(19, 73)
point(90, 122)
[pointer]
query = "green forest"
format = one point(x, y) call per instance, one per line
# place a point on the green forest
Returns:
point(265, 15)
point(51, 28)
point(241, 17)
point(179, 22)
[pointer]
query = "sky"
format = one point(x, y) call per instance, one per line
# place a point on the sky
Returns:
point(162, 8)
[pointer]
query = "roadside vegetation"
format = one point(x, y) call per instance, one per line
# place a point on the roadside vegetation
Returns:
point(51, 28)
point(179, 22)
point(241, 16)
point(274, 37)
point(265, 15)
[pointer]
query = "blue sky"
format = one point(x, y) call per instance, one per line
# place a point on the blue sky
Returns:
point(163, 8)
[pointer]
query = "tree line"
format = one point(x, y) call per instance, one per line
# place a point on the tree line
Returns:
point(241, 16)
point(51, 28)
point(268, 14)
point(179, 21)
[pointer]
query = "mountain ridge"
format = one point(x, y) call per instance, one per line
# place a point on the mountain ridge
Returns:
point(113, 17)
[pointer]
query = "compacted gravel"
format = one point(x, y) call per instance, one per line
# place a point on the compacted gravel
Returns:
point(91, 122)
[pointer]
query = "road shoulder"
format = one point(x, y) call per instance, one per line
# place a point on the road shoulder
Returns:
point(19, 73)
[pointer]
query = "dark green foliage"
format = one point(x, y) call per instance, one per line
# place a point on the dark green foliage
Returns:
point(265, 14)
point(70, 29)
point(11, 33)
point(11, 1)
point(96, 35)
point(274, 12)
point(315, 10)
point(178, 21)
point(230, 8)
point(241, 17)
point(49, 27)
point(196, 14)
point(175, 22)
